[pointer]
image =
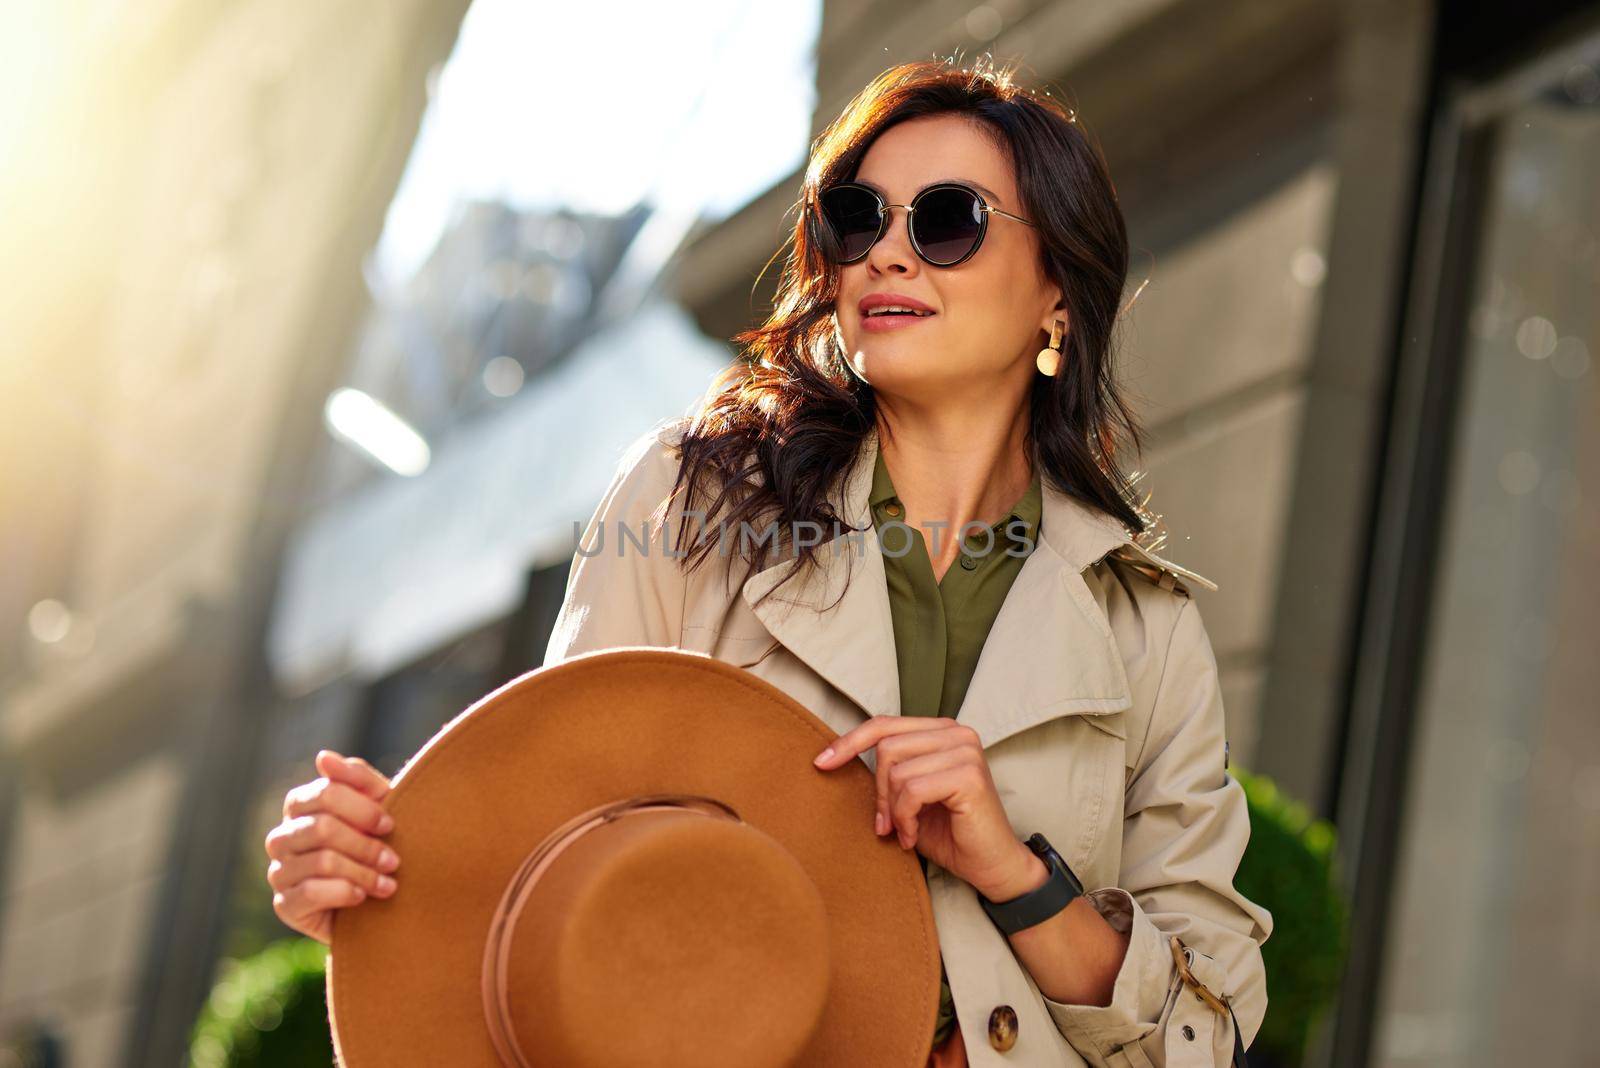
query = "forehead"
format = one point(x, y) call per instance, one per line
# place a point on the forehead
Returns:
point(916, 153)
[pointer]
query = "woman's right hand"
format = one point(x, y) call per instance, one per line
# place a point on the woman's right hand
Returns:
point(328, 852)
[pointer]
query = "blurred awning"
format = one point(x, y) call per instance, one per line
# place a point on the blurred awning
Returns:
point(404, 565)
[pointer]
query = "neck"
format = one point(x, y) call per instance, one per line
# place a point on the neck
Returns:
point(953, 467)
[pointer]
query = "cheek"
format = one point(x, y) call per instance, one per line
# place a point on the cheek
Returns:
point(853, 285)
point(995, 312)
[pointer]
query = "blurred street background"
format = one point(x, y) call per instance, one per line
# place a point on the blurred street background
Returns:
point(320, 324)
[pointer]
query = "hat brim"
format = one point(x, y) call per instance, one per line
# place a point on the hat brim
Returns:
point(403, 974)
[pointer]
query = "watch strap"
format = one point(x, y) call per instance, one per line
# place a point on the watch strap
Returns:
point(1040, 903)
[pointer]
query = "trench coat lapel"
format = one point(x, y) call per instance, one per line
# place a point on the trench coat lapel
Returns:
point(1050, 652)
point(849, 643)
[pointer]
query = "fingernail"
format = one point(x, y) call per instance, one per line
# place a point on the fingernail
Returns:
point(386, 885)
point(387, 860)
point(361, 895)
point(877, 823)
point(385, 823)
point(823, 756)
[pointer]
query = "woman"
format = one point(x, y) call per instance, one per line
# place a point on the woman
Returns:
point(904, 509)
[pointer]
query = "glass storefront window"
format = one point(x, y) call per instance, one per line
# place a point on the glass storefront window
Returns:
point(1495, 930)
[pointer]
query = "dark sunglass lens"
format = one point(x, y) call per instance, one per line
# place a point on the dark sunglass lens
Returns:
point(853, 215)
point(946, 223)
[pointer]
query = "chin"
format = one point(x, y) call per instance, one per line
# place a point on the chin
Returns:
point(897, 370)
point(881, 363)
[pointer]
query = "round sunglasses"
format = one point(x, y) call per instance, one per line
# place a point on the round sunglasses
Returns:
point(946, 221)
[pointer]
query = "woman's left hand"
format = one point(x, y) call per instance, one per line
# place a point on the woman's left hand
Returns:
point(935, 792)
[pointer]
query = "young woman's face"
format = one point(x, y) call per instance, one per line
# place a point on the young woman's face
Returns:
point(989, 310)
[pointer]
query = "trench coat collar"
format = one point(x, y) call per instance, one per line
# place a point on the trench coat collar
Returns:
point(1049, 653)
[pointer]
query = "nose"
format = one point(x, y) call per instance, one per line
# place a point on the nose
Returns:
point(893, 251)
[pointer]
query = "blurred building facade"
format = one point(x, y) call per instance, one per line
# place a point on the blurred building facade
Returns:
point(183, 283)
point(1365, 357)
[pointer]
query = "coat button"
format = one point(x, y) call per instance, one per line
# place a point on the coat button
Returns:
point(1003, 1027)
point(968, 562)
point(1188, 1032)
point(893, 508)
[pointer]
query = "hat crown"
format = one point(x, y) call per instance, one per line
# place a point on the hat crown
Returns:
point(658, 930)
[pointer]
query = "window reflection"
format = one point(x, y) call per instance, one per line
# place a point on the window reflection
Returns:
point(1495, 932)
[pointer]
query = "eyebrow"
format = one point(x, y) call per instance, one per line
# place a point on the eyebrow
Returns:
point(994, 198)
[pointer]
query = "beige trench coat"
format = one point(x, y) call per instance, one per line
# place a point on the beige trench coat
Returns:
point(1097, 703)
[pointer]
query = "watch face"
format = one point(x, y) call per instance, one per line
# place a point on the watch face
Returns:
point(1041, 846)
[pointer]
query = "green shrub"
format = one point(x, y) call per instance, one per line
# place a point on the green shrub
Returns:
point(1289, 870)
point(268, 1010)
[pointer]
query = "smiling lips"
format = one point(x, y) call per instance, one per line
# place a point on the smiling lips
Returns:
point(889, 311)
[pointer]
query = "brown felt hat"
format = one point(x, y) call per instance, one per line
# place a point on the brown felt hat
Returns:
point(629, 858)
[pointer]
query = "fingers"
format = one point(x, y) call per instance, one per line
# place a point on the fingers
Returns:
point(907, 745)
point(894, 751)
point(301, 906)
point(326, 854)
point(865, 735)
point(920, 781)
point(353, 771)
point(324, 866)
point(323, 830)
point(338, 799)
point(321, 863)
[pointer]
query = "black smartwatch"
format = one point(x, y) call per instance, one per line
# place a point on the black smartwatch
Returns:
point(1041, 903)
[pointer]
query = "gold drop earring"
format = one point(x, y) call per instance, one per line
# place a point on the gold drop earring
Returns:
point(1049, 359)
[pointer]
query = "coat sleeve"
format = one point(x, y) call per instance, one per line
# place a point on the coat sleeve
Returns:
point(626, 586)
point(1185, 829)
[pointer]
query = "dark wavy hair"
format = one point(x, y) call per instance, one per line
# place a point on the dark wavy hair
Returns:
point(783, 422)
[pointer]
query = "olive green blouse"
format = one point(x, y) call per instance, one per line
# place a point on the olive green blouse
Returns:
point(940, 626)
